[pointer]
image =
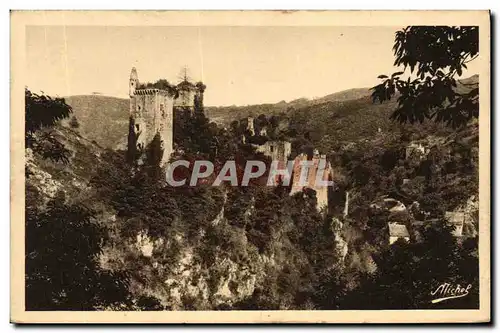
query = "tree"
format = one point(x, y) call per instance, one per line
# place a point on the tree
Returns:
point(408, 273)
point(133, 151)
point(42, 112)
point(154, 156)
point(163, 85)
point(435, 56)
point(198, 98)
point(268, 218)
point(195, 135)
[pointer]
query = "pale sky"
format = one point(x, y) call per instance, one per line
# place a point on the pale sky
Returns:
point(239, 65)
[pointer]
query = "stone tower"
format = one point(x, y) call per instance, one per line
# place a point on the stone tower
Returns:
point(151, 112)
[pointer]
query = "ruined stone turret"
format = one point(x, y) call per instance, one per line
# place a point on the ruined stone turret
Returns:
point(250, 126)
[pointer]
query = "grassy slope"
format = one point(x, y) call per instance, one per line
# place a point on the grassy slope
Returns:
point(226, 114)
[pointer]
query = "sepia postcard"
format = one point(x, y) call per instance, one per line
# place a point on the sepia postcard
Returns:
point(250, 167)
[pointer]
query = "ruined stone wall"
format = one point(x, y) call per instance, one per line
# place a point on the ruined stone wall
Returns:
point(276, 150)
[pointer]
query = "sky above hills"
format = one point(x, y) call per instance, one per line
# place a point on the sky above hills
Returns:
point(239, 65)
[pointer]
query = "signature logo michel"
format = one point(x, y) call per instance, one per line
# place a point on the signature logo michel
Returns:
point(446, 291)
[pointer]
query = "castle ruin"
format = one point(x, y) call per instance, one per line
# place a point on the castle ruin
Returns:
point(318, 164)
point(152, 108)
point(251, 126)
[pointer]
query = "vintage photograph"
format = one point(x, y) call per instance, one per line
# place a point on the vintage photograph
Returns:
point(231, 166)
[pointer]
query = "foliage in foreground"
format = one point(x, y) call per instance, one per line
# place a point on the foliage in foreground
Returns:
point(436, 55)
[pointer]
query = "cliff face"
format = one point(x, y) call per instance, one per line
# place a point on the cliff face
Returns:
point(186, 283)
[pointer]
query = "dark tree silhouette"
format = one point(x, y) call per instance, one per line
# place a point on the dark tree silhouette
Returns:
point(42, 112)
point(133, 153)
point(198, 99)
point(435, 56)
point(402, 280)
point(149, 303)
point(62, 268)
